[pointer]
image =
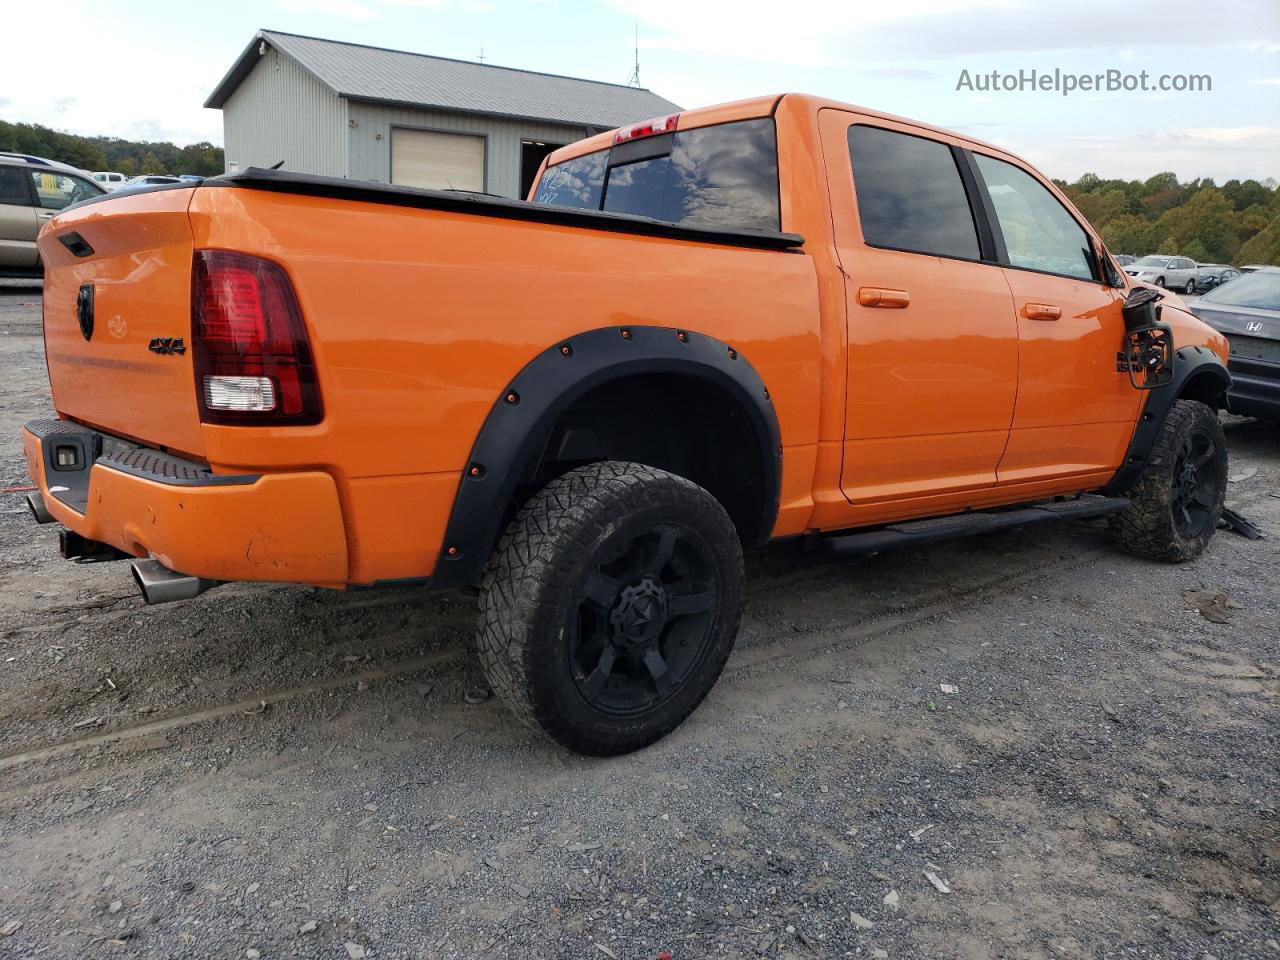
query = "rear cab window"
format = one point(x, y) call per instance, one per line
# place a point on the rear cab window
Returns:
point(724, 175)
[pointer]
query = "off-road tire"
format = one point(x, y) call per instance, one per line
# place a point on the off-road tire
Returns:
point(534, 588)
point(1147, 527)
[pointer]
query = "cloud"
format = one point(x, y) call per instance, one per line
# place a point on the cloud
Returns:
point(1232, 134)
point(330, 8)
point(828, 32)
point(129, 102)
point(1220, 152)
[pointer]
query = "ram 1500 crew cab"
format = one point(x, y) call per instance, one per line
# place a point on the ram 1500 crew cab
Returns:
point(775, 318)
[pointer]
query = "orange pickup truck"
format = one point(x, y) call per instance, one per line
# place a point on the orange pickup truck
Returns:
point(774, 318)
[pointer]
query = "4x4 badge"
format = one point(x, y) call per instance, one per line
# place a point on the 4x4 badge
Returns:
point(167, 345)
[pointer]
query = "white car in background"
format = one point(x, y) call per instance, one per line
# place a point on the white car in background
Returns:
point(109, 179)
point(1179, 272)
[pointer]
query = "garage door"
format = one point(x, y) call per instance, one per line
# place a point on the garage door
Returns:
point(441, 161)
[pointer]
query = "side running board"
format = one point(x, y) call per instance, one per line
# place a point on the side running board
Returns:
point(913, 532)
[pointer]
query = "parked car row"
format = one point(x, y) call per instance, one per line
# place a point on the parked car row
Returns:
point(110, 180)
point(33, 188)
point(1181, 272)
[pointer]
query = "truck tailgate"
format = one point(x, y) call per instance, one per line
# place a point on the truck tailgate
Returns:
point(117, 317)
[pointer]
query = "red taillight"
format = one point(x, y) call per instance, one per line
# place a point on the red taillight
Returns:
point(650, 128)
point(252, 357)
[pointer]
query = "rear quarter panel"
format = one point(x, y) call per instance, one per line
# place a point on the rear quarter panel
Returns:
point(420, 318)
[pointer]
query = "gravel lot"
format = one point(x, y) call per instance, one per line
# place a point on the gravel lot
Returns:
point(287, 772)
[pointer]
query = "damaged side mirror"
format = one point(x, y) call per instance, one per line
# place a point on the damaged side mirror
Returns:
point(1148, 344)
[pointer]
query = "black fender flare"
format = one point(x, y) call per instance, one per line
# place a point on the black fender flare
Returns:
point(511, 441)
point(1194, 363)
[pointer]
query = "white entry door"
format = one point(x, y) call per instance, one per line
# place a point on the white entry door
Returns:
point(439, 161)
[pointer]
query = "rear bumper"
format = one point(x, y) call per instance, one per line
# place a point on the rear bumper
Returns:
point(1255, 389)
point(283, 527)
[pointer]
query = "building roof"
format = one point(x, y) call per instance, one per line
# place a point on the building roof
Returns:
point(395, 76)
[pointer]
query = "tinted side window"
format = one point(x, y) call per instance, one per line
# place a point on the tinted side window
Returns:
point(910, 195)
point(1038, 232)
point(13, 186)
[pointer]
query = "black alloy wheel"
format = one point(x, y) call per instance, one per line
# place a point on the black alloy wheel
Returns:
point(610, 606)
point(1193, 490)
point(644, 620)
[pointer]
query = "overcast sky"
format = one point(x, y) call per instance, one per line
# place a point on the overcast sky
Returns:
point(143, 70)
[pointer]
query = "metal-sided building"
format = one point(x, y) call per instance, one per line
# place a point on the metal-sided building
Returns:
point(347, 110)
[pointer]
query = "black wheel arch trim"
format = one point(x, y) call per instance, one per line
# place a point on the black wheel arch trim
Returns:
point(512, 439)
point(1190, 364)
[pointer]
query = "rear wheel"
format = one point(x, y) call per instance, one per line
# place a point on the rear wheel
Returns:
point(1190, 287)
point(1160, 281)
point(610, 606)
point(1175, 505)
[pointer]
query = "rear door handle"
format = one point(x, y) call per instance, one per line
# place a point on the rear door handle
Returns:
point(45, 216)
point(1041, 311)
point(883, 297)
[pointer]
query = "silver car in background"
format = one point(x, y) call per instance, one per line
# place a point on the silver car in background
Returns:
point(1174, 272)
point(32, 190)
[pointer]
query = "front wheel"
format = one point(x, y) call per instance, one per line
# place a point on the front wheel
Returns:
point(610, 606)
point(1174, 507)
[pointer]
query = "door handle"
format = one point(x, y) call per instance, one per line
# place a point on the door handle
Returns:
point(882, 297)
point(45, 216)
point(1041, 311)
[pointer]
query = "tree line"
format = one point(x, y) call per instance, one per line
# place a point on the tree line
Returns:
point(130, 157)
point(1238, 222)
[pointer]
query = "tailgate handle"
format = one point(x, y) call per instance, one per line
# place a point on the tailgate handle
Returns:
point(84, 310)
point(882, 297)
point(76, 244)
point(1041, 311)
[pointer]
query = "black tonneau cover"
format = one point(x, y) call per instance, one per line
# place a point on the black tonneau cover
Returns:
point(486, 205)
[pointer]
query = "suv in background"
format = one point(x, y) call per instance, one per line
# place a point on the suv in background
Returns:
point(32, 190)
point(1163, 271)
point(109, 179)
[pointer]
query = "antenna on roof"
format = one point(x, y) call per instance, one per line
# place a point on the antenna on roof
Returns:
point(635, 73)
point(481, 58)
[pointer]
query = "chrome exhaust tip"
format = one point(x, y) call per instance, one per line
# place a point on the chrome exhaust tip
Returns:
point(35, 503)
point(158, 584)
